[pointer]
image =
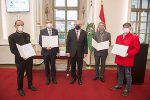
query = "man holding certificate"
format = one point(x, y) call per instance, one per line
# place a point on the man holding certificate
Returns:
point(76, 49)
point(103, 41)
point(130, 45)
point(48, 40)
point(22, 63)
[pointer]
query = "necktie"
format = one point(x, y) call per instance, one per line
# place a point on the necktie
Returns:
point(77, 35)
point(101, 37)
point(49, 32)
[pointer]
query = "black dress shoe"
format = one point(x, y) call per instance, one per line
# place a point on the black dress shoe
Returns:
point(72, 81)
point(47, 82)
point(32, 88)
point(95, 78)
point(102, 79)
point(21, 92)
point(54, 81)
point(79, 82)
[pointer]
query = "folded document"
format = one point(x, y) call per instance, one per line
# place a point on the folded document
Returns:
point(101, 45)
point(26, 50)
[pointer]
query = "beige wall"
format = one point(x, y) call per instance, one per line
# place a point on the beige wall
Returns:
point(116, 13)
point(0, 23)
point(8, 20)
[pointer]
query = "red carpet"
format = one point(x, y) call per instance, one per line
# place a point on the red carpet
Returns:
point(90, 90)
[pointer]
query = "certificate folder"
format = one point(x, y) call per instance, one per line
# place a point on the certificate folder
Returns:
point(100, 46)
point(120, 50)
point(50, 41)
point(26, 50)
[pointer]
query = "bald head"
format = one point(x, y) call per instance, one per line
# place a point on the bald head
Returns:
point(77, 22)
point(48, 21)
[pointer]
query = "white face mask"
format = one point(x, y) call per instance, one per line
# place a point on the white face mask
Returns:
point(20, 28)
point(101, 28)
point(49, 25)
point(126, 30)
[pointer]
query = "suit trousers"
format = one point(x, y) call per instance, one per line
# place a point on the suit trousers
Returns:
point(79, 61)
point(50, 59)
point(97, 62)
point(24, 65)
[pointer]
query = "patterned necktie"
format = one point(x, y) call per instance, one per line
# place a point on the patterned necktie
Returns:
point(49, 32)
point(101, 37)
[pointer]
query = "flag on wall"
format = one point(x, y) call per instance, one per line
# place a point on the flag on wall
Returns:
point(101, 15)
point(90, 31)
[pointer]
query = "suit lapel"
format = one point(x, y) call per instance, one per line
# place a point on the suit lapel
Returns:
point(98, 37)
point(74, 34)
point(80, 34)
point(46, 32)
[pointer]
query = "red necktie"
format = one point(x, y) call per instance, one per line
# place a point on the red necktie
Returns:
point(101, 37)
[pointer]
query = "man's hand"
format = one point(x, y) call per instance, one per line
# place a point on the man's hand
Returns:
point(48, 48)
point(126, 55)
point(97, 50)
point(85, 55)
point(58, 55)
point(33, 45)
point(25, 58)
point(68, 54)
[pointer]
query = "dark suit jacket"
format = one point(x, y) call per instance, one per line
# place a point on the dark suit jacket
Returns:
point(45, 52)
point(21, 39)
point(74, 46)
point(105, 37)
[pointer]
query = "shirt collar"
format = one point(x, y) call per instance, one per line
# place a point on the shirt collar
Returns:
point(49, 29)
point(77, 30)
point(124, 35)
point(100, 32)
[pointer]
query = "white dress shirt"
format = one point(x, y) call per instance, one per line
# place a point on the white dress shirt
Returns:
point(78, 33)
point(49, 31)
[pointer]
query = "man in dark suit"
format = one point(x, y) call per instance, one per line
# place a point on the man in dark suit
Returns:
point(101, 36)
point(21, 38)
point(76, 49)
point(49, 54)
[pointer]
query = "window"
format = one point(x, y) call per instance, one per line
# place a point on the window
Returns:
point(140, 19)
point(65, 13)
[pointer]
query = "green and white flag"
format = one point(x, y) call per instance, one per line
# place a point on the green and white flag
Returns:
point(90, 31)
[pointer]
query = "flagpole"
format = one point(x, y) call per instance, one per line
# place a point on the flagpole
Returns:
point(101, 2)
point(90, 57)
point(90, 51)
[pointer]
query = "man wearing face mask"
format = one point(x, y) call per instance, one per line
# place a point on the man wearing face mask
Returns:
point(101, 36)
point(76, 49)
point(21, 38)
point(124, 64)
point(49, 54)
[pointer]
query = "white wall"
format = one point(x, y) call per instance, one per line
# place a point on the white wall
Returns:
point(116, 13)
point(0, 23)
point(8, 20)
